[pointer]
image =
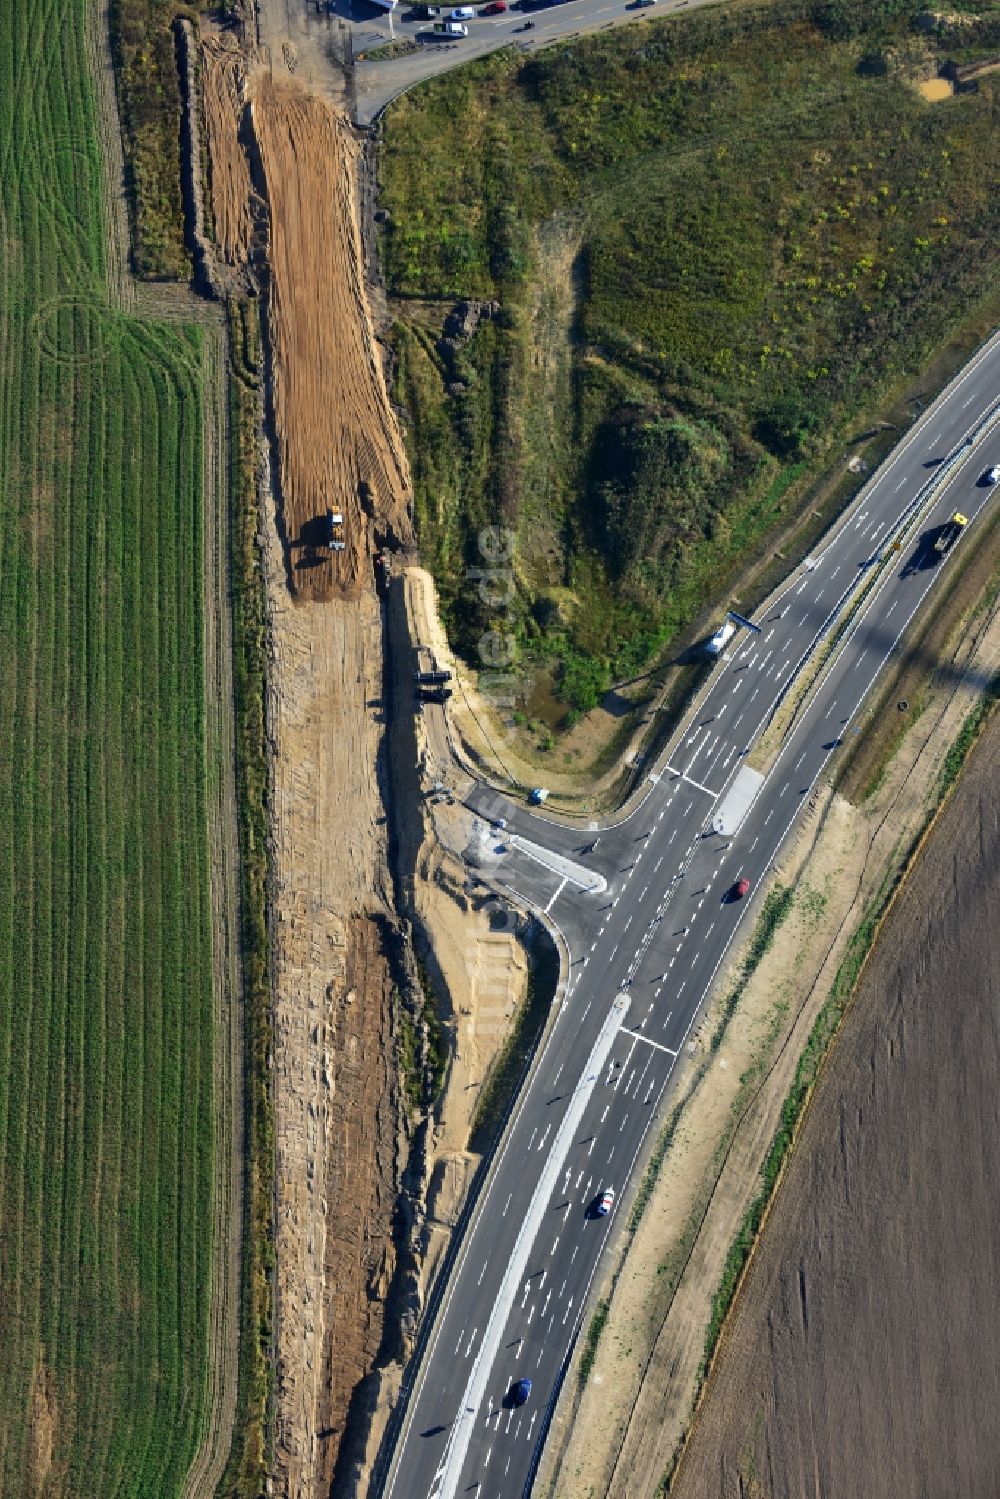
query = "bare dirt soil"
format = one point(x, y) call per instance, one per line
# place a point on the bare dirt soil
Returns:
point(862, 1354)
point(360, 1191)
point(332, 1052)
point(224, 91)
point(619, 1435)
point(338, 444)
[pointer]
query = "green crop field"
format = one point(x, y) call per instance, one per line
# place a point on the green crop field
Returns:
point(106, 1020)
point(721, 245)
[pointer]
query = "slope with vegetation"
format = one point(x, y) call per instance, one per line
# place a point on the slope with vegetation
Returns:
point(699, 251)
point(106, 1013)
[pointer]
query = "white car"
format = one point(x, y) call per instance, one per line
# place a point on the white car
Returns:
point(462, 13)
point(992, 475)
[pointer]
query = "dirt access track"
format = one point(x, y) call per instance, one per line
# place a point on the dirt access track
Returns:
point(861, 1357)
point(337, 444)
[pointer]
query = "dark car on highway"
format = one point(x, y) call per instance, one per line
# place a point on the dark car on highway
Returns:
point(519, 1391)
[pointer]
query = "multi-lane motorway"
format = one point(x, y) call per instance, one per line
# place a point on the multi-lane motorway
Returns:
point(645, 913)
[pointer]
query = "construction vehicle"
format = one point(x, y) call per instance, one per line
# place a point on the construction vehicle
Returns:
point(949, 533)
point(335, 530)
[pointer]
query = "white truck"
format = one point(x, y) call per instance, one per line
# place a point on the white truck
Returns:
point(721, 638)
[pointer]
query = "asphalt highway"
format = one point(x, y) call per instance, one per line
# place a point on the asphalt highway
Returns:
point(643, 941)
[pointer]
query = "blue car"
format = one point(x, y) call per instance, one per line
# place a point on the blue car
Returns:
point(520, 1391)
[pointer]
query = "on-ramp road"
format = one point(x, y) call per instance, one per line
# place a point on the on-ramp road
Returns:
point(643, 941)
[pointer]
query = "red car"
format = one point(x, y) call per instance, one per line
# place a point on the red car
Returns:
point(740, 889)
point(495, 8)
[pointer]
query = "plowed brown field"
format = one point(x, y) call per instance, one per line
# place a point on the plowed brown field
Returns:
point(863, 1355)
point(338, 444)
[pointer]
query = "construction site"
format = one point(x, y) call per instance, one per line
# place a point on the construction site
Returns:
point(400, 973)
point(378, 942)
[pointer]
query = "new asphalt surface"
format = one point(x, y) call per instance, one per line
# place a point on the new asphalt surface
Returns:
point(646, 910)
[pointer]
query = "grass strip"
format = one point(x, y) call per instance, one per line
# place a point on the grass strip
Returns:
point(245, 1475)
